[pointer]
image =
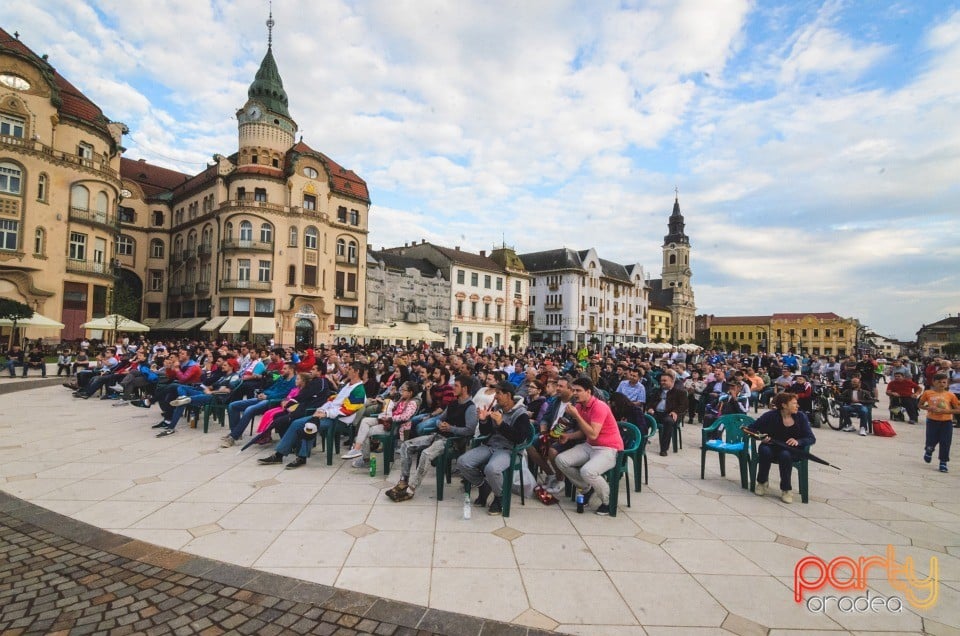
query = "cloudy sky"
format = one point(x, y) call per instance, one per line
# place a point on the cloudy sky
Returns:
point(815, 144)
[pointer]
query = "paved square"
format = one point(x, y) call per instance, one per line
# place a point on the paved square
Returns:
point(689, 556)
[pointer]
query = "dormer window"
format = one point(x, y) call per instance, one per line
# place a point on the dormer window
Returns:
point(310, 173)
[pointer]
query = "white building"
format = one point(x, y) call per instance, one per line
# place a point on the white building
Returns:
point(488, 294)
point(579, 298)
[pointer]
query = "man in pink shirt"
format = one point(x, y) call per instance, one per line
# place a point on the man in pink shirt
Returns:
point(585, 463)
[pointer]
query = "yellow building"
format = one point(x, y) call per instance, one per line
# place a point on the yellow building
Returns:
point(814, 333)
point(659, 323)
point(269, 242)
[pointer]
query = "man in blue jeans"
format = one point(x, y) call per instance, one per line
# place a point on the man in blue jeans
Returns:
point(16, 358)
point(241, 412)
point(856, 401)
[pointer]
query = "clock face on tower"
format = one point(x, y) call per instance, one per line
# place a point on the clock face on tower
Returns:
point(253, 113)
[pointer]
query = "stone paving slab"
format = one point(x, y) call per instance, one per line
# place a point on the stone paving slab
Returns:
point(688, 556)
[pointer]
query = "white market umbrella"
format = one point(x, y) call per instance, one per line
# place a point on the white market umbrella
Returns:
point(115, 322)
point(36, 321)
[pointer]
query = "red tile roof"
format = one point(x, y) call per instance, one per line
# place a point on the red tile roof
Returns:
point(342, 181)
point(74, 103)
point(153, 180)
point(822, 316)
point(721, 321)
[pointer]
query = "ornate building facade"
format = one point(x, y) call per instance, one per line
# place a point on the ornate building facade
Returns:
point(268, 242)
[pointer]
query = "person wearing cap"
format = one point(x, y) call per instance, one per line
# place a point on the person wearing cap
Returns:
point(903, 391)
point(506, 424)
point(222, 388)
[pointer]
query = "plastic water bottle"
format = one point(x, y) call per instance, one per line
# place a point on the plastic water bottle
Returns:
point(580, 502)
point(373, 466)
point(466, 505)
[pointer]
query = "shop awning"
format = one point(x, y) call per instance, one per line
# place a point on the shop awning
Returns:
point(214, 323)
point(262, 326)
point(170, 324)
point(189, 324)
point(234, 324)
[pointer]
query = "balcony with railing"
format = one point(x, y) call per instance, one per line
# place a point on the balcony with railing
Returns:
point(345, 260)
point(188, 289)
point(345, 294)
point(245, 285)
point(188, 254)
point(203, 288)
point(231, 244)
point(175, 290)
point(89, 268)
point(38, 149)
point(519, 324)
point(97, 218)
point(205, 250)
point(554, 305)
point(553, 287)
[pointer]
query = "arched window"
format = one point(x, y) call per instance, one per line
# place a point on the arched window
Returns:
point(292, 241)
point(191, 239)
point(266, 233)
point(246, 231)
point(156, 248)
point(341, 247)
point(292, 275)
point(79, 197)
point(228, 231)
point(42, 181)
point(10, 178)
point(310, 238)
point(125, 245)
point(352, 252)
point(207, 236)
point(101, 202)
point(39, 241)
point(673, 259)
point(311, 173)
point(177, 244)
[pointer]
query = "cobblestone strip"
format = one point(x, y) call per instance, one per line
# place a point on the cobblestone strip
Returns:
point(60, 576)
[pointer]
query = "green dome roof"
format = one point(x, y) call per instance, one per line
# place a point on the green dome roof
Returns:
point(267, 88)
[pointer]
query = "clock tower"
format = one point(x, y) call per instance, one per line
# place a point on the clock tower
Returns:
point(266, 129)
point(677, 275)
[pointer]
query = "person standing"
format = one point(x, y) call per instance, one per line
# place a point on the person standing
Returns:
point(941, 405)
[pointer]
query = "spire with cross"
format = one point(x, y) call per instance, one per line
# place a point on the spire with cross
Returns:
point(270, 24)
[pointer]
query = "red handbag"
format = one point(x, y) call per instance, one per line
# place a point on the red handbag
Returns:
point(883, 428)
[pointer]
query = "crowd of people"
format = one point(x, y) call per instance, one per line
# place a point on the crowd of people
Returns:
point(567, 401)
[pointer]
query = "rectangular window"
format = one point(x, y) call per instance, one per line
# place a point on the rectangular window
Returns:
point(486, 311)
point(351, 282)
point(342, 214)
point(473, 309)
point(260, 194)
point(241, 194)
point(486, 281)
point(85, 151)
point(839, 333)
point(803, 333)
point(474, 279)
point(346, 315)
point(516, 287)
point(243, 269)
point(227, 269)
point(241, 306)
point(99, 307)
point(499, 313)
point(827, 332)
point(153, 310)
point(8, 234)
point(11, 126)
point(224, 306)
point(310, 275)
point(264, 273)
point(78, 247)
point(263, 306)
point(460, 276)
point(459, 307)
point(816, 333)
point(156, 280)
point(309, 202)
point(499, 284)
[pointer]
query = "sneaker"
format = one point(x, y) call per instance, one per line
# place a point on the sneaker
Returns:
point(848, 428)
point(603, 510)
point(180, 401)
point(943, 467)
point(161, 424)
point(495, 507)
point(359, 462)
point(297, 463)
point(761, 489)
point(116, 387)
point(228, 442)
point(786, 496)
point(483, 492)
point(225, 437)
point(556, 488)
point(914, 422)
point(863, 432)
point(120, 403)
point(928, 455)
point(166, 431)
point(353, 453)
point(273, 459)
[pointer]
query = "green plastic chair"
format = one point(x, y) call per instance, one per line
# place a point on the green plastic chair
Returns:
point(731, 443)
point(631, 443)
point(640, 455)
point(217, 410)
point(802, 466)
point(443, 463)
point(388, 443)
point(516, 459)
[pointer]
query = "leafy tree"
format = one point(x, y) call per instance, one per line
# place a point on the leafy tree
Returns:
point(14, 311)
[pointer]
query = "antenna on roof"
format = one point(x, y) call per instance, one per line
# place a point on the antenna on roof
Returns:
point(270, 24)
